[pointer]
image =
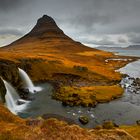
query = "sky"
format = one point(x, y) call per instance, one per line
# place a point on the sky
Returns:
point(92, 22)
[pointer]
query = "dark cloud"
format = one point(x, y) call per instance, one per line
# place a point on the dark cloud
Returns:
point(122, 40)
point(77, 18)
point(8, 5)
point(134, 38)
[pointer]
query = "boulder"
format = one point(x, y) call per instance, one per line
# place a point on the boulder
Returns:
point(138, 122)
point(109, 125)
point(83, 120)
point(9, 72)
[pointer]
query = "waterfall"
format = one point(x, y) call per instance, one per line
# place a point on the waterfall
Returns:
point(27, 81)
point(12, 98)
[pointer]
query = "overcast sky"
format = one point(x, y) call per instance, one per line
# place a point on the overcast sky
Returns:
point(93, 22)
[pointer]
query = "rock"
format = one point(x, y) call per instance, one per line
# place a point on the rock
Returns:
point(24, 93)
point(9, 72)
point(19, 102)
point(25, 90)
point(83, 119)
point(80, 68)
point(59, 117)
point(98, 127)
point(2, 91)
point(138, 122)
point(109, 125)
point(64, 103)
point(33, 122)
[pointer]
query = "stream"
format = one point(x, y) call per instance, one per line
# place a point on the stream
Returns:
point(125, 110)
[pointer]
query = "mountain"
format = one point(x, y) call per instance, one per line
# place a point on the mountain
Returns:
point(109, 48)
point(46, 53)
point(45, 29)
point(46, 33)
point(133, 47)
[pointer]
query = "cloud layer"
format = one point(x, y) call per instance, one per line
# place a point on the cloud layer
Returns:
point(96, 22)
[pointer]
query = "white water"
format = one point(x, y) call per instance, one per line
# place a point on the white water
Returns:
point(27, 81)
point(132, 69)
point(12, 98)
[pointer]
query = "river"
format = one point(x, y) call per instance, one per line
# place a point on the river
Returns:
point(123, 111)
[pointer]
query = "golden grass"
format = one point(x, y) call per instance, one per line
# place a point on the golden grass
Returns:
point(88, 96)
point(60, 58)
point(133, 130)
point(19, 129)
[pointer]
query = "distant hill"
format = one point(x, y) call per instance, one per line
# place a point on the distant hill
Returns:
point(109, 48)
point(133, 47)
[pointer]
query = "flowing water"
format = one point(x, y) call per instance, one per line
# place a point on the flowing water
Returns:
point(27, 81)
point(12, 98)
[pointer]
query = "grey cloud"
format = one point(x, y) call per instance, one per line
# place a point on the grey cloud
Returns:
point(134, 38)
point(8, 5)
point(15, 32)
point(75, 17)
point(122, 40)
point(103, 41)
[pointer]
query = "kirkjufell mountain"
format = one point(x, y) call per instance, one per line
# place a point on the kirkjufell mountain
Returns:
point(45, 29)
point(47, 33)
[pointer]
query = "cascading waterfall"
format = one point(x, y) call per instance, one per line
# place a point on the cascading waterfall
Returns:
point(27, 81)
point(12, 98)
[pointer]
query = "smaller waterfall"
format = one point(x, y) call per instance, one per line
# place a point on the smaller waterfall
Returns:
point(27, 81)
point(12, 98)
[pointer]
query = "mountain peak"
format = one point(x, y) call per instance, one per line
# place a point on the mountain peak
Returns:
point(44, 30)
point(45, 19)
point(45, 25)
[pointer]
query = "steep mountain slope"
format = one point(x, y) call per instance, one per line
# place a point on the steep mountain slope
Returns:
point(47, 32)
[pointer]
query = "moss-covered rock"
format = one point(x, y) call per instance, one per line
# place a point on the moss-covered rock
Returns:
point(83, 119)
point(109, 125)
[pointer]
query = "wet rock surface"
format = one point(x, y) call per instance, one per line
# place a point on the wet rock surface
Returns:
point(131, 84)
point(2, 91)
point(9, 72)
point(83, 119)
point(132, 89)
